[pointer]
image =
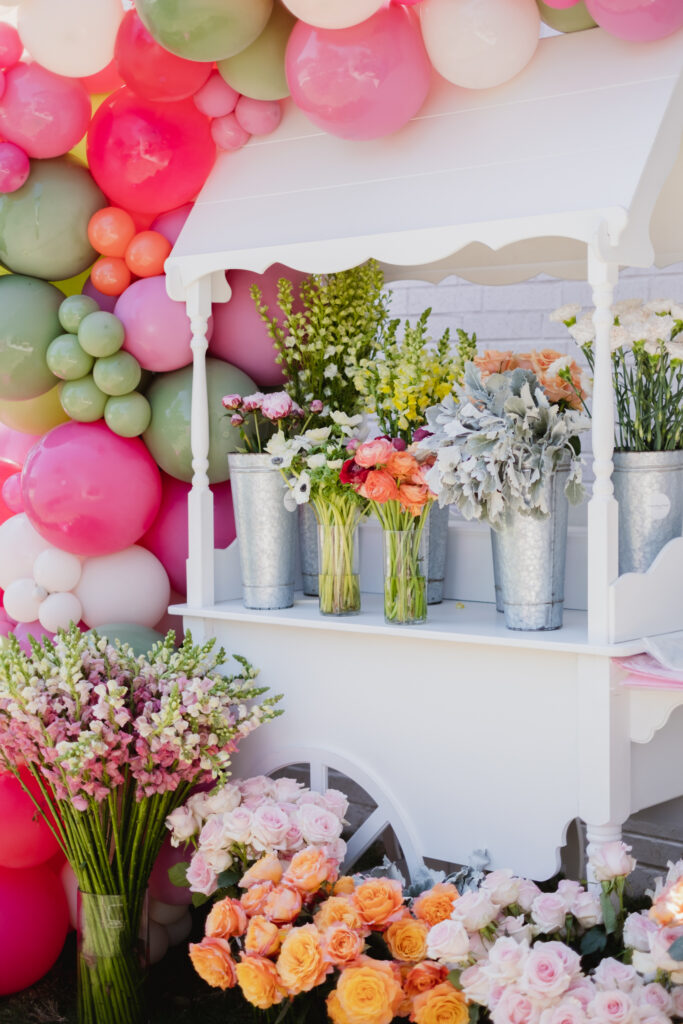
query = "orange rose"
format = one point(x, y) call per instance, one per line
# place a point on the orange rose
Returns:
point(344, 886)
point(407, 939)
point(308, 870)
point(401, 465)
point(260, 982)
point(212, 960)
point(339, 909)
point(334, 1009)
point(436, 904)
point(282, 905)
point(263, 937)
point(440, 1005)
point(369, 993)
point(379, 901)
point(301, 964)
point(227, 918)
point(341, 944)
point(379, 486)
point(255, 897)
point(267, 869)
point(493, 361)
point(424, 976)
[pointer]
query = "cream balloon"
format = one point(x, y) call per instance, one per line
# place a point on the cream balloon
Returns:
point(57, 571)
point(333, 13)
point(165, 913)
point(20, 545)
point(157, 947)
point(70, 37)
point(129, 586)
point(179, 930)
point(58, 611)
point(478, 44)
point(23, 599)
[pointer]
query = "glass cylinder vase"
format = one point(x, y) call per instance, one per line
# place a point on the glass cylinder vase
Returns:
point(112, 960)
point(339, 578)
point(405, 574)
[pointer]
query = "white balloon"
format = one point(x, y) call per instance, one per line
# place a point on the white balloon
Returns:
point(334, 13)
point(158, 942)
point(165, 913)
point(70, 37)
point(23, 599)
point(20, 545)
point(478, 44)
point(57, 571)
point(58, 611)
point(129, 586)
point(179, 930)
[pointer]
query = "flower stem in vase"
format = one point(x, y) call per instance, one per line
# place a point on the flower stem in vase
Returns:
point(405, 562)
point(338, 580)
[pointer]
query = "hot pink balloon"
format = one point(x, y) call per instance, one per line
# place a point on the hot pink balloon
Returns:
point(639, 21)
point(28, 952)
point(11, 47)
point(228, 133)
point(172, 223)
point(14, 167)
point(7, 472)
point(167, 537)
point(89, 491)
point(216, 98)
point(239, 335)
point(160, 886)
point(405, 3)
point(11, 493)
point(43, 113)
point(150, 70)
point(158, 331)
point(24, 631)
point(106, 302)
point(361, 82)
point(25, 839)
point(104, 81)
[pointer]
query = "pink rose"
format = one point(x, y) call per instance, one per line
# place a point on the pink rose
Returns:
point(515, 1008)
point(311, 797)
point(528, 891)
point(549, 912)
point(237, 825)
point(586, 909)
point(213, 836)
point(612, 1007)
point(583, 990)
point(318, 825)
point(517, 928)
point(570, 959)
point(219, 801)
point(336, 801)
point(294, 839)
point(502, 887)
point(269, 827)
point(183, 825)
point(250, 403)
point(545, 976)
point(218, 860)
point(476, 985)
point(236, 420)
point(660, 941)
point(335, 851)
point(569, 1011)
point(316, 405)
point(506, 960)
point(276, 406)
point(569, 889)
point(201, 877)
point(611, 860)
point(373, 453)
point(654, 1018)
point(612, 974)
point(448, 942)
point(653, 998)
point(232, 401)
point(677, 999)
point(258, 785)
point(286, 790)
point(475, 910)
point(637, 931)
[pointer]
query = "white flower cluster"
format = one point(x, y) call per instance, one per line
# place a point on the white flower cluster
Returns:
point(313, 459)
point(651, 323)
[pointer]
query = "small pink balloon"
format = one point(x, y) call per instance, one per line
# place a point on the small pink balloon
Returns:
point(11, 47)
point(172, 223)
point(160, 886)
point(228, 133)
point(638, 21)
point(216, 98)
point(258, 117)
point(11, 493)
point(14, 167)
point(106, 302)
point(23, 631)
point(158, 331)
point(43, 113)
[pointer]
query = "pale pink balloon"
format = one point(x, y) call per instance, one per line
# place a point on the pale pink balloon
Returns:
point(14, 167)
point(11, 47)
point(158, 331)
point(258, 117)
point(106, 302)
point(42, 112)
point(172, 223)
point(11, 493)
point(216, 98)
point(638, 21)
point(228, 133)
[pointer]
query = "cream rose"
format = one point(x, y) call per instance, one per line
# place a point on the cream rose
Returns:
point(448, 942)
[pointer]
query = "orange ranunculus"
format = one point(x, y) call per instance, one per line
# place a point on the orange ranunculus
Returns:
point(341, 944)
point(424, 976)
point(339, 909)
point(443, 1004)
point(282, 905)
point(212, 960)
point(263, 937)
point(226, 918)
point(407, 939)
point(267, 869)
point(308, 870)
point(379, 486)
point(379, 901)
point(260, 982)
point(301, 964)
point(436, 904)
point(401, 465)
point(255, 897)
point(343, 886)
point(493, 361)
point(369, 993)
point(373, 453)
point(413, 497)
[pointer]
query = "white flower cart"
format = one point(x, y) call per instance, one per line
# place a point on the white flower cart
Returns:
point(465, 734)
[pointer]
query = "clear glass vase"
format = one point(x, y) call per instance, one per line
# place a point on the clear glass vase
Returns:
point(338, 578)
point(112, 960)
point(405, 574)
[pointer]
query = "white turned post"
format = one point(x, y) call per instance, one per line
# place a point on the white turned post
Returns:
point(603, 510)
point(200, 583)
point(597, 836)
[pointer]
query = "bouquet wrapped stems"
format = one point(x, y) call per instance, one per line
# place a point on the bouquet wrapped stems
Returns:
point(338, 516)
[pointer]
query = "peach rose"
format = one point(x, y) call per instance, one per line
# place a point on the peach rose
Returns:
point(401, 465)
point(436, 904)
point(494, 361)
point(308, 870)
point(374, 453)
point(334, 1009)
point(424, 976)
point(379, 901)
point(344, 886)
point(340, 909)
point(407, 939)
point(443, 1004)
point(267, 869)
point(226, 918)
point(379, 486)
point(263, 937)
point(541, 360)
point(369, 993)
point(301, 964)
point(341, 944)
point(260, 982)
point(212, 960)
point(282, 904)
point(255, 897)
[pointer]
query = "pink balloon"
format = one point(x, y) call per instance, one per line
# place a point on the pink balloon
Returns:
point(15, 446)
point(11, 494)
point(167, 537)
point(104, 81)
point(14, 167)
point(24, 631)
point(7, 471)
point(409, 3)
point(361, 82)
point(106, 302)
point(89, 491)
point(151, 71)
point(258, 117)
point(637, 20)
point(26, 838)
point(561, 5)
point(158, 331)
point(172, 223)
point(11, 47)
point(160, 886)
point(239, 335)
point(43, 113)
point(216, 98)
point(174, 622)
point(27, 952)
point(228, 133)
point(149, 156)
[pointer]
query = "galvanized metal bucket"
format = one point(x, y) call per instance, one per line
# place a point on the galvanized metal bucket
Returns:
point(531, 562)
point(496, 571)
point(649, 489)
point(266, 532)
point(308, 549)
point(438, 548)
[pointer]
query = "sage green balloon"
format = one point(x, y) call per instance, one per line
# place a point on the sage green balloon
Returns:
point(259, 71)
point(28, 323)
point(66, 358)
point(128, 415)
point(74, 309)
point(82, 400)
point(168, 435)
point(118, 374)
point(204, 30)
point(570, 19)
point(101, 334)
point(44, 224)
point(140, 638)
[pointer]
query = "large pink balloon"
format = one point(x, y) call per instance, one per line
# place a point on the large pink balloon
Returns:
point(25, 631)
point(637, 20)
point(361, 82)
point(239, 335)
point(150, 70)
point(158, 331)
point(89, 491)
point(25, 838)
point(160, 886)
point(172, 223)
point(34, 920)
point(149, 156)
point(167, 537)
point(43, 113)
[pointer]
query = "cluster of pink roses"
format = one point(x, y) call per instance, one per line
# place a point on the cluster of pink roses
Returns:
point(652, 934)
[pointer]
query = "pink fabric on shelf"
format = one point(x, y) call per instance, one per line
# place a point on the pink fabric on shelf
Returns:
point(644, 670)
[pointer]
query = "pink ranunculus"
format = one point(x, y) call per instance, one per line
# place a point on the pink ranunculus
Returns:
point(318, 825)
point(549, 912)
point(236, 420)
point(476, 985)
point(237, 824)
point(373, 453)
point(528, 891)
point(286, 790)
point(613, 1007)
point(545, 976)
point(637, 931)
point(514, 1007)
point(502, 887)
point(269, 827)
point(336, 801)
point(475, 910)
point(612, 974)
point(232, 401)
point(276, 406)
point(611, 860)
point(506, 960)
point(448, 942)
point(586, 909)
point(316, 406)
point(201, 877)
point(183, 824)
point(568, 1011)
point(653, 998)
point(250, 403)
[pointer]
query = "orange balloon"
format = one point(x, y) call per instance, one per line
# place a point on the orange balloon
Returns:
point(110, 275)
point(147, 253)
point(110, 230)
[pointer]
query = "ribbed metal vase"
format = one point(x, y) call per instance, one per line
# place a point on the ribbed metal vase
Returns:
point(308, 549)
point(437, 552)
point(649, 489)
point(496, 570)
point(266, 532)
point(531, 562)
